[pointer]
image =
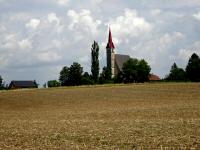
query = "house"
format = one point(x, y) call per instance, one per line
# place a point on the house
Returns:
point(22, 84)
point(153, 77)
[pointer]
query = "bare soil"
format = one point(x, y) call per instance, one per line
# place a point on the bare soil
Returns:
point(136, 116)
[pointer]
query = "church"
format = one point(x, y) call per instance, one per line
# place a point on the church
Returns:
point(115, 61)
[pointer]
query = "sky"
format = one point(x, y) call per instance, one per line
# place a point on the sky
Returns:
point(39, 37)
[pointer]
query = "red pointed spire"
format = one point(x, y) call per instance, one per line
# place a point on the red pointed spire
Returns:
point(110, 42)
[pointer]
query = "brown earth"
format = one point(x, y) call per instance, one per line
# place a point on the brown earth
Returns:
point(137, 116)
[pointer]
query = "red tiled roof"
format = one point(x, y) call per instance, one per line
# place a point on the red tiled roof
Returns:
point(153, 77)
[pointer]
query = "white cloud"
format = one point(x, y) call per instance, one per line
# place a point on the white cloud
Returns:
point(25, 44)
point(169, 39)
point(156, 12)
point(96, 2)
point(197, 16)
point(33, 23)
point(48, 56)
point(13, 42)
point(56, 43)
point(83, 21)
point(164, 42)
point(63, 2)
point(10, 42)
point(55, 21)
point(2, 29)
point(189, 2)
point(129, 24)
point(52, 17)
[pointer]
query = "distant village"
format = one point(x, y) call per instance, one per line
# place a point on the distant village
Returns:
point(121, 68)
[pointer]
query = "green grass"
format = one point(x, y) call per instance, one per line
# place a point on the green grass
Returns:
point(142, 116)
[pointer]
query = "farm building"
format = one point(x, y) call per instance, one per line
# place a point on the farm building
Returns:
point(22, 84)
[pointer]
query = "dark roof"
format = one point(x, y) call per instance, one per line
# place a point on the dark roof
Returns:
point(23, 84)
point(153, 77)
point(120, 60)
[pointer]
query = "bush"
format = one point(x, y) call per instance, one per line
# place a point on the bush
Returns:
point(53, 83)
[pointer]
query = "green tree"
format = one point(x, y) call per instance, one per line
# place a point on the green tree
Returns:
point(119, 78)
point(176, 74)
point(75, 74)
point(1, 84)
point(130, 72)
point(193, 68)
point(64, 76)
point(86, 75)
point(105, 76)
point(135, 71)
point(53, 83)
point(106, 73)
point(86, 79)
point(95, 61)
point(1, 81)
point(143, 70)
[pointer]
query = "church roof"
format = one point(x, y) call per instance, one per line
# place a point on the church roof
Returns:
point(110, 42)
point(120, 60)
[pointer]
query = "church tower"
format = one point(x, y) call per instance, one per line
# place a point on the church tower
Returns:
point(110, 55)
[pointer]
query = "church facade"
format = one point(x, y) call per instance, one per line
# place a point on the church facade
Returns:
point(114, 61)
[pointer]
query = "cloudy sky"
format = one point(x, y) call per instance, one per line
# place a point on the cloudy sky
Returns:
point(39, 37)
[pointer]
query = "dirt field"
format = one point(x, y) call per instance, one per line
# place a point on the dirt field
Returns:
point(140, 116)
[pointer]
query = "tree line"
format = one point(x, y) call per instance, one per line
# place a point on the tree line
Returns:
point(133, 71)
